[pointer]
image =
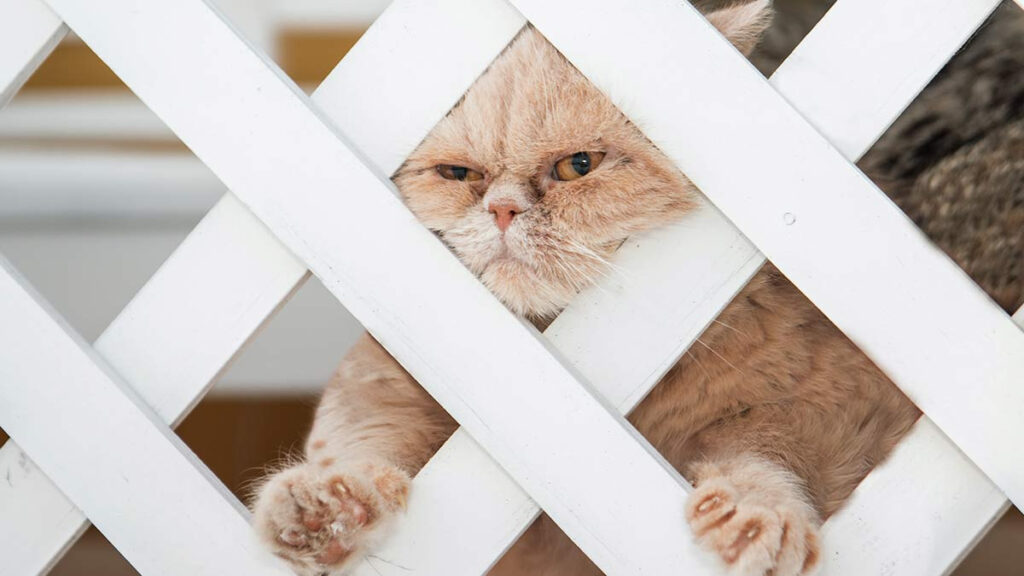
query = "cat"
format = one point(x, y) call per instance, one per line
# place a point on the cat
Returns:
point(954, 162)
point(533, 180)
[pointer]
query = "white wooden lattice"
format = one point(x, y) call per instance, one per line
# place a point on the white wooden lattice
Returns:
point(94, 418)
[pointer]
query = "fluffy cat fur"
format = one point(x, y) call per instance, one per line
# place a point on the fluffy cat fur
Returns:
point(774, 414)
point(954, 162)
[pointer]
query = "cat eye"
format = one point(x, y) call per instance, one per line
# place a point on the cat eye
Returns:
point(461, 173)
point(577, 165)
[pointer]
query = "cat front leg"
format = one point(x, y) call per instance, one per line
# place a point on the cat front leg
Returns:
point(754, 514)
point(375, 428)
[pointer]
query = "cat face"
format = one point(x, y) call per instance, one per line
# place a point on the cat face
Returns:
point(535, 178)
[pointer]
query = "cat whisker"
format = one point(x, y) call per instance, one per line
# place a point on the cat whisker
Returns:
point(699, 364)
point(720, 357)
point(606, 267)
point(589, 253)
point(717, 321)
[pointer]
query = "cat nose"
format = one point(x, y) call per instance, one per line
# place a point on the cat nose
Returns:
point(504, 212)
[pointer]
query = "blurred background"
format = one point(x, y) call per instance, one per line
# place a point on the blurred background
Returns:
point(95, 193)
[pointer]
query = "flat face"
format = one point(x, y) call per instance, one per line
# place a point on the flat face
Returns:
point(535, 178)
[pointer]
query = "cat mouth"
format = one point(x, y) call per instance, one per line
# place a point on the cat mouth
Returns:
point(505, 257)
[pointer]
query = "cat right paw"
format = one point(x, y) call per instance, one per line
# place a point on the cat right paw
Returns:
point(753, 535)
point(322, 519)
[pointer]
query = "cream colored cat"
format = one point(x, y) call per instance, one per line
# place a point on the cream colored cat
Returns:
point(534, 180)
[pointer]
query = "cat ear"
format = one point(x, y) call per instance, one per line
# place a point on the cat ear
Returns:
point(743, 24)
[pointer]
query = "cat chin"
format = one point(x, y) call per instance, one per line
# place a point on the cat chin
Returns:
point(519, 287)
point(534, 278)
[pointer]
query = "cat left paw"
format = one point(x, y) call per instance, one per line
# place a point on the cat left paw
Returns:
point(754, 535)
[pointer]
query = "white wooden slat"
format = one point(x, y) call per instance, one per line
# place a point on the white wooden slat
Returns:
point(90, 430)
point(653, 304)
point(29, 31)
point(178, 333)
point(927, 482)
point(38, 523)
point(824, 224)
point(254, 128)
point(900, 63)
point(425, 35)
point(919, 512)
point(202, 314)
point(171, 341)
point(253, 20)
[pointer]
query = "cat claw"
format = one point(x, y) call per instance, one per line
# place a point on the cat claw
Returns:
point(320, 520)
point(752, 536)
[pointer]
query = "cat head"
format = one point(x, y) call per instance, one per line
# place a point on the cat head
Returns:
point(535, 177)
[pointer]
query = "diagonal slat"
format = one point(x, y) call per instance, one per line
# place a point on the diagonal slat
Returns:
point(896, 61)
point(231, 272)
point(919, 512)
point(256, 131)
point(824, 224)
point(86, 428)
point(174, 337)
